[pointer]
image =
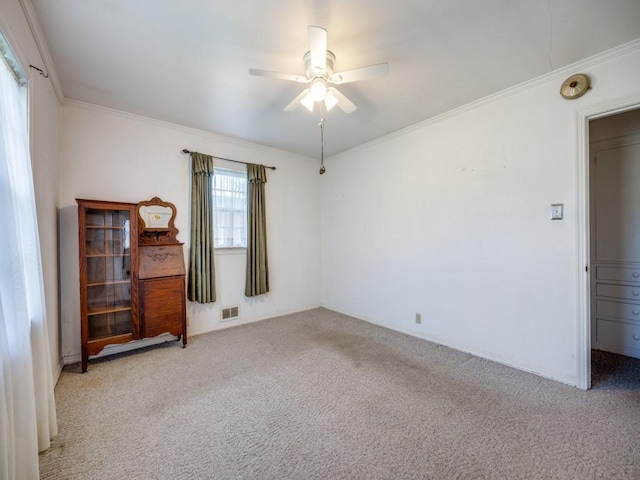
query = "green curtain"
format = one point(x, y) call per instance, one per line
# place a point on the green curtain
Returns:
point(257, 281)
point(202, 272)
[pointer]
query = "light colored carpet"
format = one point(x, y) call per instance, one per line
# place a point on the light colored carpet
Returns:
point(319, 395)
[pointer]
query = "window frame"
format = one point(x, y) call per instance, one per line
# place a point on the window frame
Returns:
point(237, 172)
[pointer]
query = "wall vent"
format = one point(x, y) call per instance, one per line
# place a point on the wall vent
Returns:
point(229, 313)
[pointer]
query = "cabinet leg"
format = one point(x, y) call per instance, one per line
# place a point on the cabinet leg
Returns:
point(84, 355)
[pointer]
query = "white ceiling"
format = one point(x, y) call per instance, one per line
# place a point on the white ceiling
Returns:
point(187, 61)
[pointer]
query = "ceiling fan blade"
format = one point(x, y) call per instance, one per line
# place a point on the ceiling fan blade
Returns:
point(346, 105)
point(361, 73)
point(318, 48)
point(282, 76)
point(295, 103)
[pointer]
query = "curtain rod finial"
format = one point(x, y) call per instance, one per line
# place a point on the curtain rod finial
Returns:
point(322, 169)
point(184, 150)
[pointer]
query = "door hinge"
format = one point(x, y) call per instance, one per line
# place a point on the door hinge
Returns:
point(586, 269)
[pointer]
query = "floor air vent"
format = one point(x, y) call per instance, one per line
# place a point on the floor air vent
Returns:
point(230, 313)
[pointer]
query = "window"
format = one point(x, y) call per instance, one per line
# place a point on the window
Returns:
point(229, 208)
point(25, 368)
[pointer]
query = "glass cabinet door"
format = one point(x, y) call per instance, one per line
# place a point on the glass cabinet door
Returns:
point(108, 272)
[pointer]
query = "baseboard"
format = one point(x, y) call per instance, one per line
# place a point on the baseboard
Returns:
point(146, 342)
point(58, 371)
point(242, 321)
point(70, 359)
point(571, 381)
point(123, 347)
point(617, 348)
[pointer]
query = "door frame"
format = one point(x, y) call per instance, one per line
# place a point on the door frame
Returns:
point(583, 229)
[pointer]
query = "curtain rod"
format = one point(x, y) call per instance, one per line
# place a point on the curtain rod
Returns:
point(228, 159)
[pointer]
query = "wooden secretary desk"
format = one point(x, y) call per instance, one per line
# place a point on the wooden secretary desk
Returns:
point(132, 274)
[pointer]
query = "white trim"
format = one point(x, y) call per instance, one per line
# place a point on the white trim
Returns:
point(230, 250)
point(583, 307)
point(71, 359)
point(188, 130)
point(567, 380)
point(43, 49)
point(615, 142)
point(58, 371)
point(244, 321)
point(135, 344)
point(124, 347)
point(559, 73)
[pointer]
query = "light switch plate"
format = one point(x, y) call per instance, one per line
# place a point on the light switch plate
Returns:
point(557, 211)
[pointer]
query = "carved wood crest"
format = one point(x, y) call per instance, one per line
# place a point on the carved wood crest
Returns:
point(155, 223)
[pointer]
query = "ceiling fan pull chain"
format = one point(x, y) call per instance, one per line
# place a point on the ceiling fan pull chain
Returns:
point(321, 125)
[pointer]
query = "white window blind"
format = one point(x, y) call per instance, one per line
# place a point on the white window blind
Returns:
point(229, 208)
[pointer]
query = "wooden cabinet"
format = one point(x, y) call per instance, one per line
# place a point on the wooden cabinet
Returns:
point(132, 278)
point(162, 290)
point(108, 290)
point(162, 306)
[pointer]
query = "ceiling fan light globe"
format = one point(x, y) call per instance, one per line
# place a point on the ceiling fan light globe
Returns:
point(308, 102)
point(330, 100)
point(318, 90)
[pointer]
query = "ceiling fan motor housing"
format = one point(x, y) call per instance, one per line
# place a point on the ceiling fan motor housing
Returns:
point(328, 70)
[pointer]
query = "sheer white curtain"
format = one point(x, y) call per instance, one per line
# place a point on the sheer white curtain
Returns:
point(27, 407)
point(230, 208)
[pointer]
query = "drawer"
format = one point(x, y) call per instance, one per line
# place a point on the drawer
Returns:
point(627, 311)
point(620, 337)
point(618, 291)
point(619, 274)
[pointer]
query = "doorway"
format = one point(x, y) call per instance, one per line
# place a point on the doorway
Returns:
point(612, 173)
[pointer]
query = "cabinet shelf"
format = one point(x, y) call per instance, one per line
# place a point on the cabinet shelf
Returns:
point(108, 282)
point(104, 310)
point(104, 227)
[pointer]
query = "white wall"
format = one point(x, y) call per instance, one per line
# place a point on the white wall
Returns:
point(44, 110)
point(107, 155)
point(450, 219)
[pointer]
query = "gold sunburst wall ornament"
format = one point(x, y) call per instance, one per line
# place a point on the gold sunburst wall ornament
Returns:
point(575, 86)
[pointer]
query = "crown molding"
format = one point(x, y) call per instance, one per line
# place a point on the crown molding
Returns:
point(43, 49)
point(559, 73)
point(187, 130)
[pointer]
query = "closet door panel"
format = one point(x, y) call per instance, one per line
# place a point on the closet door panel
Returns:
point(617, 201)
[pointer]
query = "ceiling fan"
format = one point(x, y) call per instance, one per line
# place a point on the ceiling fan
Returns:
point(319, 62)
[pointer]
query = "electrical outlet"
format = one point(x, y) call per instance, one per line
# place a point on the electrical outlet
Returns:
point(418, 318)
